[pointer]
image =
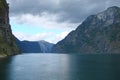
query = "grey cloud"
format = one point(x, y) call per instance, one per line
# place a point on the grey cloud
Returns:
point(74, 11)
point(30, 6)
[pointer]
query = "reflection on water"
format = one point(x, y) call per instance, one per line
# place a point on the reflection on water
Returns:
point(60, 67)
point(4, 64)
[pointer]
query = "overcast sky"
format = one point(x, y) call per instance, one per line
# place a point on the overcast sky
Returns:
point(52, 20)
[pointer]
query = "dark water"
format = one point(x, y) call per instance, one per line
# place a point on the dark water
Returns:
point(60, 67)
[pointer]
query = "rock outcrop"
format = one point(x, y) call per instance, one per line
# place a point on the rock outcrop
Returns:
point(99, 33)
point(7, 41)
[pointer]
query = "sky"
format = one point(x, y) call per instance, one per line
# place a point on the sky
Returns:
point(51, 20)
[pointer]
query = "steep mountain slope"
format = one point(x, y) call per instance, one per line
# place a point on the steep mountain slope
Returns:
point(7, 41)
point(34, 46)
point(97, 34)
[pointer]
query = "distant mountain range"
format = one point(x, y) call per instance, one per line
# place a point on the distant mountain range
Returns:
point(34, 46)
point(99, 33)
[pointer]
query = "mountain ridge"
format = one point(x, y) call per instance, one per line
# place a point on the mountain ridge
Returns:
point(99, 33)
point(34, 46)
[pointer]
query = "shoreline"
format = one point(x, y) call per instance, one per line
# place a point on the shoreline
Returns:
point(3, 56)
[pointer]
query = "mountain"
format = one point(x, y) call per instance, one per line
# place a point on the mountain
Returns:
point(7, 41)
point(34, 46)
point(99, 33)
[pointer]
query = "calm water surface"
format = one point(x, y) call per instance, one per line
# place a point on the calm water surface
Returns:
point(61, 67)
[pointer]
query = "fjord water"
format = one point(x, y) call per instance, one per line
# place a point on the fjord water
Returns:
point(60, 67)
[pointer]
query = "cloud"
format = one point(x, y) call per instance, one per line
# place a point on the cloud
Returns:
point(41, 36)
point(59, 37)
point(45, 21)
point(65, 15)
point(73, 11)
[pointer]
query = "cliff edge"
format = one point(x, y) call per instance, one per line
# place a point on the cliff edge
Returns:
point(7, 41)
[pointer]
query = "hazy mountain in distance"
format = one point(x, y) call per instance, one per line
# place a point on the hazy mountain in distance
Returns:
point(34, 46)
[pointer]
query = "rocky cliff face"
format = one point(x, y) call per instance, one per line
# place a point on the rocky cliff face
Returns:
point(97, 34)
point(7, 42)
